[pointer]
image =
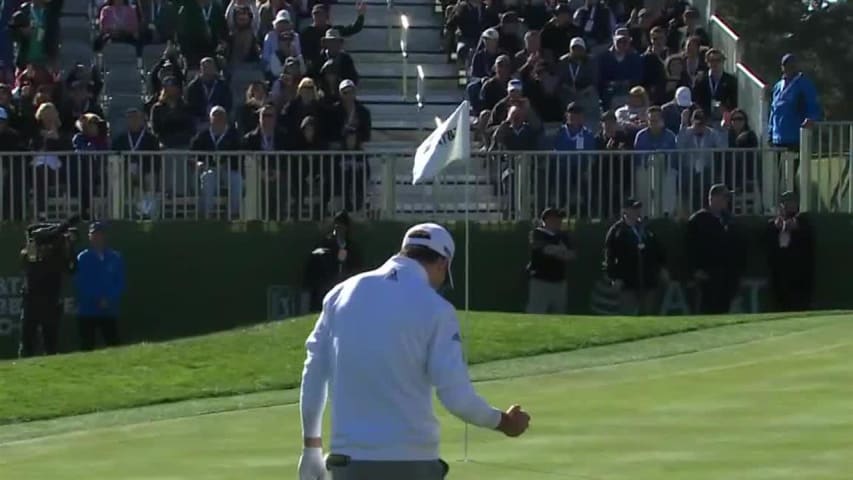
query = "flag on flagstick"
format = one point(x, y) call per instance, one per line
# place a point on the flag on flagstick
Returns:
point(450, 141)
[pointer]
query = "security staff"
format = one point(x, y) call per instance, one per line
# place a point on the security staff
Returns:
point(634, 261)
point(716, 253)
point(789, 241)
point(100, 285)
point(384, 341)
point(550, 252)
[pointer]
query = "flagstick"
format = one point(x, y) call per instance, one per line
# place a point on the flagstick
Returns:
point(467, 268)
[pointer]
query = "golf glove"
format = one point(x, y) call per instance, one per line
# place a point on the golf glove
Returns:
point(312, 466)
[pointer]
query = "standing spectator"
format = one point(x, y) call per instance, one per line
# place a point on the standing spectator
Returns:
point(741, 166)
point(355, 173)
point(716, 91)
point(794, 105)
point(620, 68)
point(516, 98)
point(350, 115)
point(495, 88)
point(285, 86)
point(532, 46)
point(635, 261)
point(201, 29)
point(207, 90)
point(573, 137)
point(633, 116)
point(171, 118)
point(330, 81)
point(789, 240)
point(35, 31)
point(158, 21)
point(691, 27)
point(90, 76)
point(579, 78)
point(676, 77)
point(542, 87)
point(716, 253)
point(332, 261)
point(243, 45)
point(307, 138)
point(333, 49)
point(273, 47)
point(673, 111)
point(171, 64)
point(306, 104)
point(235, 6)
point(14, 119)
point(78, 102)
point(268, 12)
point(284, 52)
point(47, 166)
point(697, 142)
point(656, 138)
point(144, 169)
point(466, 20)
point(510, 34)
point(515, 133)
point(694, 60)
point(550, 252)
point(14, 169)
point(10, 140)
point(91, 136)
point(247, 113)
point(312, 36)
point(100, 282)
point(219, 137)
point(597, 23)
point(654, 70)
point(86, 169)
point(616, 167)
point(611, 136)
point(486, 55)
point(559, 32)
point(118, 22)
point(267, 138)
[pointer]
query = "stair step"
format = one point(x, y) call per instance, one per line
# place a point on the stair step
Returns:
point(390, 84)
point(395, 70)
point(452, 97)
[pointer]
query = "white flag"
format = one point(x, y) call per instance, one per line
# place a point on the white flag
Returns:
point(449, 142)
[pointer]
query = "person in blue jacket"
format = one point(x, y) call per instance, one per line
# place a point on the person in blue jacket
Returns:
point(794, 104)
point(100, 285)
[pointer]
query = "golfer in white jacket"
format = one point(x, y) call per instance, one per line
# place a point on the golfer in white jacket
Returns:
point(385, 338)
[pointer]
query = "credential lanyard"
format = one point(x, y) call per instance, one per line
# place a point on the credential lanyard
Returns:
point(134, 145)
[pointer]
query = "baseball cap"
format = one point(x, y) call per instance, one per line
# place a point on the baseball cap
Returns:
point(788, 57)
point(574, 108)
point(577, 42)
point(720, 189)
point(341, 218)
point(632, 203)
point(218, 109)
point(789, 196)
point(318, 7)
point(490, 34)
point(171, 82)
point(333, 34)
point(96, 227)
point(683, 97)
point(281, 16)
point(434, 237)
point(551, 212)
point(563, 8)
point(514, 85)
point(3, 114)
point(347, 83)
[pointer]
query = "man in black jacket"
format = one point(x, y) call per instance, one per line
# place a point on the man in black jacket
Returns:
point(559, 32)
point(789, 240)
point(550, 252)
point(275, 166)
point(219, 137)
point(311, 37)
point(715, 90)
point(334, 260)
point(207, 90)
point(716, 253)
point(145, 169)
point(634, 261)
point(349, 113)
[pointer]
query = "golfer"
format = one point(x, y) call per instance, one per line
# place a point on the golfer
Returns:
point(383, 340)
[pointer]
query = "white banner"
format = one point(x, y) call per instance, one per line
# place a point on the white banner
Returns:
point(449, 142)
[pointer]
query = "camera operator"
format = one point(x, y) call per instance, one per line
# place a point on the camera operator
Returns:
point(47, 256)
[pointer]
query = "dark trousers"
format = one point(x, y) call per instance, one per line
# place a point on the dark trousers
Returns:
point(40, 324)
point(89, 327)
point(716, 295)
point(789, 298)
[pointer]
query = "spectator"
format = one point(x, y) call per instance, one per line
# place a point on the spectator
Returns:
point(268, 12)
point(46, 166)
point(118, 22)
point(611, 136)
point(202, 29)
point(676, 77)
point(86, 171)
point(171, 64)
point(144, 169)
point(247, 113)
point(77, 103)
point(550, 252)
point(697, 140)
point(91, 134)
point(35, 32)
point(313, 35)
point(235, 6)
point(789, 240)
point(573, 136)
point(535, 14)
point(532, 46)
point(334, 260)
point(306, 104)
point(620, 68)
point(13, 119)
point(794, 105)
point(640, 25)
point(158, 21)
point(100, 283)
point(268, 138)
point(14, 169)
point(691, 27)
point(654, 70)
point(285, 51)
point(694, 61)
point(333, 49)
point(352, 173)
point(284, 88)
point(89, 76)
point(171, 118)
point(7, 52)
point(307, 138)
point(514, 133)
point(741, 167)
point(597, 23)
point(330, 81)
point(542, 87)
point(516, 98)
point(137, 138)
point(559, 32)
point(494, 89)
point(466, 21)
point(674, 110)
point(243, 46)
point(634, 261)
point(486, 55)
point(273, 47)
point(656, 138)
point(10, 140)
point(633, 116)
point(207, 90)
point(579, 77)
point(349, 116)
point(219, 137)
point(740, 134)
point(509, 41)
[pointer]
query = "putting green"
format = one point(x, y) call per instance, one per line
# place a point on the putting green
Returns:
point(747, 402)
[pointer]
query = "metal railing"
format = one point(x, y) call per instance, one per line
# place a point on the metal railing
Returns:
point(825, 161)
point(309, 186)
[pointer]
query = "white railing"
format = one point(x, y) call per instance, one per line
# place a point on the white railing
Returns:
point(825, 163)
point(309, 186)
point(725, 39)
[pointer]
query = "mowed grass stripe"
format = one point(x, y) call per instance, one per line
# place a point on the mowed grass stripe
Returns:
point(270, 357)
point(748, 412)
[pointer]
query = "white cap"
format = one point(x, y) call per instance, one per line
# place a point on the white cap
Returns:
point(683, 97)
point(514, 85)
point(218, 109)
point(490, 34)
point(436, 238)
point(346, 83)
point(577, 42)
point(282, 16)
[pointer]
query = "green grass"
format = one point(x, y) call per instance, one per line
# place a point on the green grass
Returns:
point(270, 357)
point(748, 401)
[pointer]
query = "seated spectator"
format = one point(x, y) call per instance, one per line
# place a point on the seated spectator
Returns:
point(201, 29)
point(330, 81)
point(579, 77)
point(532, 45)
point(307, 138)
point(640, 27)
point(268, 12)
point(466, 21)
point(494, 89)
point(558, 33)
point(542, 87)
point(137, 137)
point(620, 68)
point(118, 22)
point(697, 140)
point(207, 90)
point(284, 88)
point(285, 50)
point(248, 112)
point(514, 133)
point(306, 104)
point(536, 14)
point(235, 6)
point(273, 42)
point(611, 136)
point(46, 168)
point(243, 46)
point(158, 21)
point(633, 115)
point(740, 135)
point(219, 137)
point(694, 59)
point(487, 53)
point(34, 29)
point(349, 116)
point(597, 23)
point(673, 110)
point(656, 138)
point(312, 36)
point(89, 76)
point(352, 173)
point(515, 98)
point(716, 91)
point(573, 136)
point(691, 26)
point(49, 137)
point(741, 168)
point(91, 134)
point(171, 118)
point(333, 49)
point(171, 64)
point(279, 175)
point(266, 136)
point(39, 78)
point(676, 76)
point(654, 70)
point(77, 102)
point(509, 41)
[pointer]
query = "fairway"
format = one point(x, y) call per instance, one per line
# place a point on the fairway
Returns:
point(769, 400)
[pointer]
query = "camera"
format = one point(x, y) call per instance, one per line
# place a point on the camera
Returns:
point(43, 240)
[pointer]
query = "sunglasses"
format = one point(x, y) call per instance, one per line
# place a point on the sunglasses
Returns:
point(738, 119)
point(715, 60)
